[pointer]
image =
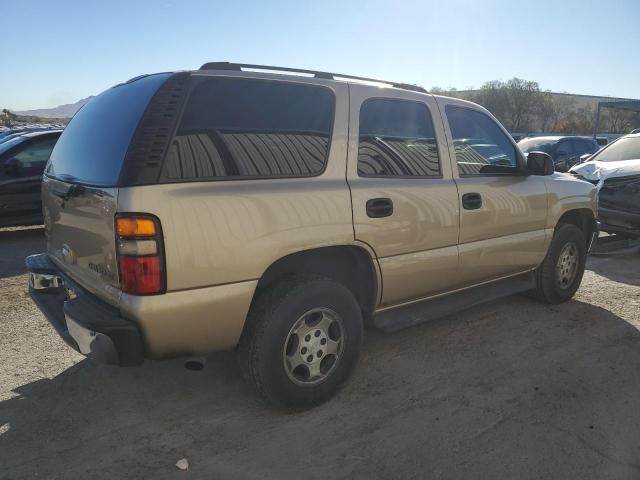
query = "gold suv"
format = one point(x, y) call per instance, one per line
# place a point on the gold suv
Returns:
point(275, 212)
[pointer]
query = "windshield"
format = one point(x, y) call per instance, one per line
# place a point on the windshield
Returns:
point(537, 145)
point(624, 149)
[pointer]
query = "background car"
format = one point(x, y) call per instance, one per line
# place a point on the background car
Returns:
point(15, 132)
point(565, 151)
point(9, 134)
point(615, 170)
point(22, 161)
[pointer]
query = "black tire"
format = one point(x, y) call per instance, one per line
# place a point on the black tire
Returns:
point(549, 288)
point(272, 316)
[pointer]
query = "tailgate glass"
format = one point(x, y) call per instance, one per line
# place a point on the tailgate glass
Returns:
point(92, 148)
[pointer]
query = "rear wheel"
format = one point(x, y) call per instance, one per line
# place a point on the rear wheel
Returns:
point(560, 274)
point(301, 341)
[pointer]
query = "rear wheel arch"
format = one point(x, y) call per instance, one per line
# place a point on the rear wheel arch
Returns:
point(350, 265)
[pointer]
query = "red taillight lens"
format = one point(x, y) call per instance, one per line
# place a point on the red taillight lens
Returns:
point(140, 254)
point(140, 275)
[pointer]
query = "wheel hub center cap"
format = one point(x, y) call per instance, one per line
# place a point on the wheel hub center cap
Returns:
point(312, 350)
point(313, 347)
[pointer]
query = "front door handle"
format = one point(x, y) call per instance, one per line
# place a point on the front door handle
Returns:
point(471, 201)
point(379, 207)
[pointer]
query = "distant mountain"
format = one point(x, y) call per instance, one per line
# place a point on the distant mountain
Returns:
point(62, 111)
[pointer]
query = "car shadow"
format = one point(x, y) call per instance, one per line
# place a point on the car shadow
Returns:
point(623, 267)
point(512, 389)
point(15, 245)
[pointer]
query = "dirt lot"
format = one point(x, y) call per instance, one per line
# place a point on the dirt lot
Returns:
point(513, 389)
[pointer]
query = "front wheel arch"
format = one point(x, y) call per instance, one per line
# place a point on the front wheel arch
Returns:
point(547, 288)
point(581, 218)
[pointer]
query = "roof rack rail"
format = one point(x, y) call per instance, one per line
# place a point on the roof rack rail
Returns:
point(316, 74)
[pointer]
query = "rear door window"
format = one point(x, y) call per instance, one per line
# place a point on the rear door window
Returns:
point(92, 148)
point(247, 128)
point(397, 139)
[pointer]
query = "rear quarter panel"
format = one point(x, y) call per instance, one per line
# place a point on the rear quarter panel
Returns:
point(225, 232)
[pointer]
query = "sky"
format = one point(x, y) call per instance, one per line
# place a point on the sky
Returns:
point(57, 52)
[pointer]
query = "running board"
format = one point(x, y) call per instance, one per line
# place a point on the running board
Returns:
point(422, 311)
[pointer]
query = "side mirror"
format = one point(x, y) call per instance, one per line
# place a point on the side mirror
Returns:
point(540, 163)
point(585, 157)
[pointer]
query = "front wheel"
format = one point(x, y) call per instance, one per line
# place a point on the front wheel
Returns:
point(560, 274)
point(301, 341)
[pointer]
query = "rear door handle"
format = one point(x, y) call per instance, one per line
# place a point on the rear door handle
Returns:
point(379, 207)
point(471, 201)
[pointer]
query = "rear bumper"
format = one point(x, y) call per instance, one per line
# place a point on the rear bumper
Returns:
point(89, 325)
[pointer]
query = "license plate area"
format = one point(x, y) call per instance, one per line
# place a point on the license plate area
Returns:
point(71, 289)
point(71, 292)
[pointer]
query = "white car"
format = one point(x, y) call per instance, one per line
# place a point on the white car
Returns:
point(615, 170)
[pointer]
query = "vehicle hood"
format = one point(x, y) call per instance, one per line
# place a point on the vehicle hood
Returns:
point(600, 171)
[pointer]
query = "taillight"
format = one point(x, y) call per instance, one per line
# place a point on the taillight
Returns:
point(140, 254)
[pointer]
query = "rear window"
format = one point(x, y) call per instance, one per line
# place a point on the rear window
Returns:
point(92, 148)
point(245, 128)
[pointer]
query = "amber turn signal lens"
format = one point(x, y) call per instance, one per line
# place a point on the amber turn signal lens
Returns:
point(135, 227)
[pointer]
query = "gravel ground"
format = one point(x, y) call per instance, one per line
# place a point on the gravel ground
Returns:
point(512, 389)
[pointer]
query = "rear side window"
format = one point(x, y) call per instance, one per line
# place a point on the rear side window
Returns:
point(245, 128)
point(396, 139)
point(481, 147)
point(92, 148)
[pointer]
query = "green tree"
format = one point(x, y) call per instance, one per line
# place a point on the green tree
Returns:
point(514, 103)
point(523, 96)
point(494, 97)
point(580, 121)
point(618, 121)
point(552, 109)
point(7, 118)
